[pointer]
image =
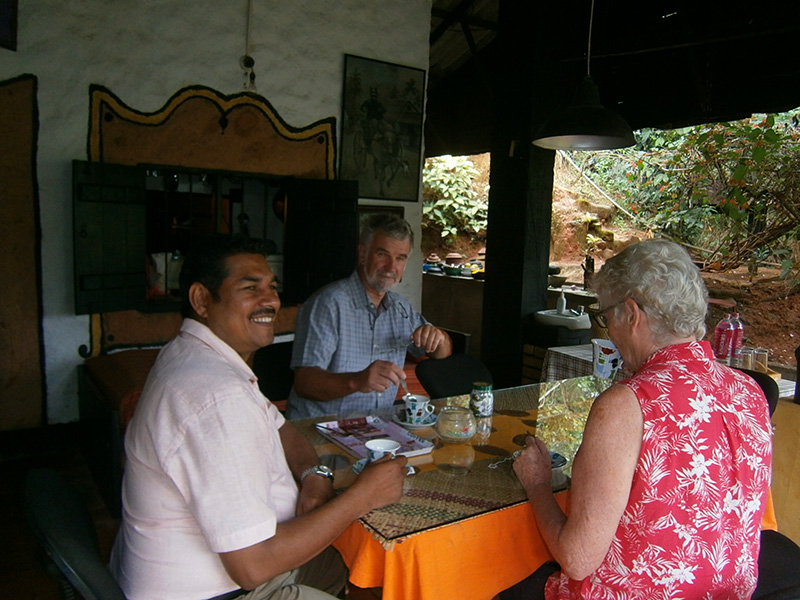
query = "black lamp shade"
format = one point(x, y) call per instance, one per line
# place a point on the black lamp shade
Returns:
point(585, 125)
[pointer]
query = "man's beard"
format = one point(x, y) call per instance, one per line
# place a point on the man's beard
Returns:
point(379, 284)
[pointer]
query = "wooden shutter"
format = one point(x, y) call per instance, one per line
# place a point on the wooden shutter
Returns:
point(321, 235)
point(109, 220)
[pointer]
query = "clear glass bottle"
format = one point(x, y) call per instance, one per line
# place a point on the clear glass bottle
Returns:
point(737, 337)
point(481, 400)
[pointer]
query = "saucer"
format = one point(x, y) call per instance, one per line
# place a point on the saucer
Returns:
point(429, 422)
point(359, 465)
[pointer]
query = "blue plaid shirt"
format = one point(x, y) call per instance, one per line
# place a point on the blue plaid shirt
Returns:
point(340, 330)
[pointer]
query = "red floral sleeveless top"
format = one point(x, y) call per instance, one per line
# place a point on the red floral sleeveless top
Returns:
point(691, 526)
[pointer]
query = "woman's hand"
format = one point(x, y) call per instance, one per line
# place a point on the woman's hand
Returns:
point(532, 466)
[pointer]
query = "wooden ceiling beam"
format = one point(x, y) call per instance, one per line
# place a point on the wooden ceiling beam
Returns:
point(451, 19)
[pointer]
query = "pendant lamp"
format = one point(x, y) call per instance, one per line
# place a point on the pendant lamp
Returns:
point(585, 124)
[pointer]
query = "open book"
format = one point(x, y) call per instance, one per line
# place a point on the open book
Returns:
point(352, 434)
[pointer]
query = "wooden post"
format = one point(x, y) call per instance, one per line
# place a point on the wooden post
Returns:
point(518, 235)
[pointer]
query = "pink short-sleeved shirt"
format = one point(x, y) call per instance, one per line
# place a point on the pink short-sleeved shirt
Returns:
point(205, 471)
point(691, 526)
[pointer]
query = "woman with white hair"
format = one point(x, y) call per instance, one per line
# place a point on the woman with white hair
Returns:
point(671, 480)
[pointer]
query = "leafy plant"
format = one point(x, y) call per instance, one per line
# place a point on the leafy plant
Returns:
point(730, 190)
point(450, 201)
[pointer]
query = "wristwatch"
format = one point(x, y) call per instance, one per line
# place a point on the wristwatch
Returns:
point(321, 470)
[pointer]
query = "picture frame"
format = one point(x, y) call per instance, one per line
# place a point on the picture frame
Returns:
point(381, 140)
point(8, 24)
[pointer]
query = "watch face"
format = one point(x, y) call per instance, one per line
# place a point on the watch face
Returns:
point(321, 470)
point(324, 471)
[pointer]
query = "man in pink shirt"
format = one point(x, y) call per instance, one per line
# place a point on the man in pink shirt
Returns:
point(221, 494)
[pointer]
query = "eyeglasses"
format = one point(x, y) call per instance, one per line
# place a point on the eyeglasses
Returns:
point(600, 317)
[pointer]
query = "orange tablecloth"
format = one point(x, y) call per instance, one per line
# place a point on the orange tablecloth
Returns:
point(469, 560)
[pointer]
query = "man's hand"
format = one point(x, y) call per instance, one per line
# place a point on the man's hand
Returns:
point(435, 341)
point(381, 482)
point(314, 491)
point(379, 377)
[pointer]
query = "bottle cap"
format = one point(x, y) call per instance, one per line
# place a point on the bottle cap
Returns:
point(482, 386)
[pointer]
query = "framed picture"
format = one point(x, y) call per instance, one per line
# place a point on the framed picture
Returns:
point(365, 211)
point(8, 24)
point(382, 128)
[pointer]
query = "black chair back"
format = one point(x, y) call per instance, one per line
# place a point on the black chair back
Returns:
point(778, 568)
point(451, 376)
point(768, 385)
point(461, 340)
point(65, 531)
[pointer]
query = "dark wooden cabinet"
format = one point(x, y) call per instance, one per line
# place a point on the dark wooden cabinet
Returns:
point(131, 225)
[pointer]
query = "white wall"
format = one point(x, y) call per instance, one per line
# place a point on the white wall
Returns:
point(146, 50)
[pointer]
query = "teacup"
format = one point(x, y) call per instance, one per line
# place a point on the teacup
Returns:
point(377, 449)
point(606, 358)
point(418, 409)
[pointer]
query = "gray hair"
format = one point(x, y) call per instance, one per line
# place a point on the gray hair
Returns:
point(389, 225)
point(661, 277)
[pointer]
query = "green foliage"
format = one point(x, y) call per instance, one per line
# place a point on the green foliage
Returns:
point(731, 190)
point(449, 199)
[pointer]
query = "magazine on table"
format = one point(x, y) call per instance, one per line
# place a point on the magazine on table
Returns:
point(352, 434)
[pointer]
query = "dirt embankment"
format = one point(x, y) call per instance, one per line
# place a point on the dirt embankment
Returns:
point(581, 227)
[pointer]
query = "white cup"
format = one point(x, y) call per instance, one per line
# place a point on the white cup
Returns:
point(377, 449)
point(606, 358)
point(418, 409)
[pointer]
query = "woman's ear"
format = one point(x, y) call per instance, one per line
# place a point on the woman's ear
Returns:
point(633, 311)
point(199, 297)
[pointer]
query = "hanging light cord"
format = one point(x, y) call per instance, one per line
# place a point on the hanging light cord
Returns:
point(589, 43)
point(247, 30)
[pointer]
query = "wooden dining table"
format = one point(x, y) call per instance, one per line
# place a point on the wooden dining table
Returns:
point(464, 536)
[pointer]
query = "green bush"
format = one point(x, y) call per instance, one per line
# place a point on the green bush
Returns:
point(450, 201)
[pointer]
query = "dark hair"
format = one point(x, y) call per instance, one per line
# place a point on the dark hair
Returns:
point(388, 224)
point(205, 263)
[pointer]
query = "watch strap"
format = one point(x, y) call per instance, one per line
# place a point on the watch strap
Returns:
point(321, 470)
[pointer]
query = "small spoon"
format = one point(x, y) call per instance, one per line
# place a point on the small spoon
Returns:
point(405, 386)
